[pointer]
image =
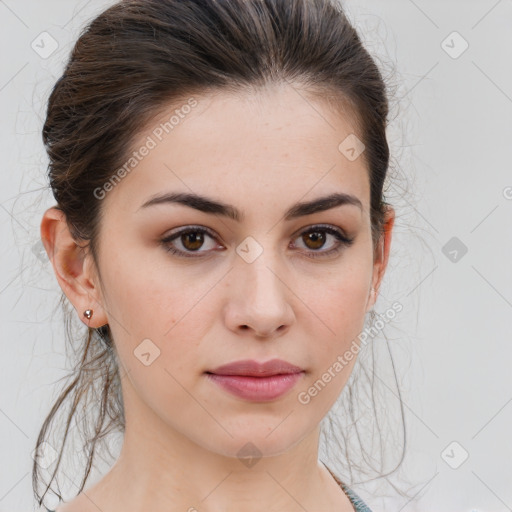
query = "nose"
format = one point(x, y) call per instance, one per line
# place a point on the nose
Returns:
point(258, 303)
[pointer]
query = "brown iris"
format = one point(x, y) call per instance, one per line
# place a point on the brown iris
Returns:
point(317, 237)
point(196, 238)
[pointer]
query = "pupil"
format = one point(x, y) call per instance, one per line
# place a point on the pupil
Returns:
point(196, 238)
point(316, 237)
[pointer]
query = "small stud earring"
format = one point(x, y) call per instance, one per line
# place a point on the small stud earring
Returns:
point(88, 313)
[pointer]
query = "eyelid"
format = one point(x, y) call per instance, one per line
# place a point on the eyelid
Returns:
point(175, 234)
point(327, 227)
point(343, 239)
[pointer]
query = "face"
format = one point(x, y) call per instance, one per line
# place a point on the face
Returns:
point(262, 277)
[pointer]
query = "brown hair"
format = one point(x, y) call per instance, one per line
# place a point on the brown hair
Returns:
point(135, 59)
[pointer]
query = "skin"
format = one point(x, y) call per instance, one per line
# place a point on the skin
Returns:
point(261, 153)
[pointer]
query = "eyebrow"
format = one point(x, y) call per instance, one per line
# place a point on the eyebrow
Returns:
point(208, 205)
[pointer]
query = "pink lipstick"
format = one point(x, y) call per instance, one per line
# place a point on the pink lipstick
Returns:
point(257, 382)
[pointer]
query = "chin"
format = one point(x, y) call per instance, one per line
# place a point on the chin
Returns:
point(254, 443)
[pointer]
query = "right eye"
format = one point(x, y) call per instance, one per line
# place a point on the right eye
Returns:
point(191, 238)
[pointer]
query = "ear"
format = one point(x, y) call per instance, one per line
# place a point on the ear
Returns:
point(381, 260)
point(74, 268)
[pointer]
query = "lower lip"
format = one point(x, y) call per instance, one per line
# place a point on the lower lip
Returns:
point(257, 389)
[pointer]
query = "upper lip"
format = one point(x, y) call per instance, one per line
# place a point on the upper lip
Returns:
point(256, 369)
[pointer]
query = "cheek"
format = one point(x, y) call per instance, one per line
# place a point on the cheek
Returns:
point(339, 308)
point(155, 327)
point(157, 317)
point(339, 299)
point(147, 299)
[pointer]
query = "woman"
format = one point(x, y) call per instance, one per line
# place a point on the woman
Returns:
point(220, 228)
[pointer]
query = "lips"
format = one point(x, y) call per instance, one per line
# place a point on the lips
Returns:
point(254, 381)
point(249, 367)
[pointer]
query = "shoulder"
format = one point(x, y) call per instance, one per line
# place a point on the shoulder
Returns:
point(359, 504)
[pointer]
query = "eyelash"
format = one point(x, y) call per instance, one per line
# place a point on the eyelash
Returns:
point(343, 241)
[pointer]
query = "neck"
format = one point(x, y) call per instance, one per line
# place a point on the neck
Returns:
point(160, 468)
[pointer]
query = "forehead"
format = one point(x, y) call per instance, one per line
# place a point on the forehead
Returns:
point(276, 143)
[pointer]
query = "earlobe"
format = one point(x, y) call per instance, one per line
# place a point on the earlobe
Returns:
point(73, 267)
point(372, 298)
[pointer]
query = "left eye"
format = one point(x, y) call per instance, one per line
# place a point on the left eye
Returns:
point(193, 238)
point(317, 236)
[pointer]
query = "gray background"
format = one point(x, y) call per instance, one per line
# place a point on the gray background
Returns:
point(452, 343)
